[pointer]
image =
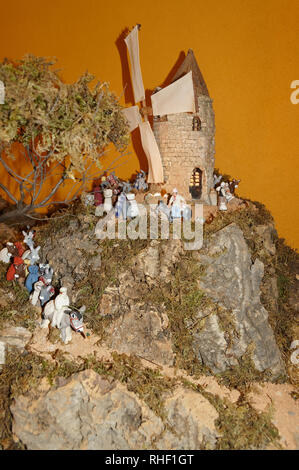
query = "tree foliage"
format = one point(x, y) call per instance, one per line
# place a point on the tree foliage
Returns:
point(69, 125)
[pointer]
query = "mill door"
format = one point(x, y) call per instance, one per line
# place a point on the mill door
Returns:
point(195, 184)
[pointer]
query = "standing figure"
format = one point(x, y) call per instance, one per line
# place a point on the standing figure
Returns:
point(98, 196)
point(32, 277)
point(222, 196)
point(43, 267)
point(33, 256)
point(140, 183)
point(162, 210)
point(228, 194)
point(133, 210)
point(16, 249)
point(28, 238)
point(233, 185)
point(16, 270)
point(88, 199)
point(47, 290)
point(54, 309)
point(19, 247)
point(121, 206)
point(177, 204)
point(108, 200)
point(216, 180)
point(5, 255)
point(43, 290)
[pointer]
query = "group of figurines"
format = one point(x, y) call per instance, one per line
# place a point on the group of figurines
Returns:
point(113, 193)
point(225, 190)
point(37, 279)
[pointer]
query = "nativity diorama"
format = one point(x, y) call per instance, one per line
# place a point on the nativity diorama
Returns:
point(126, 343)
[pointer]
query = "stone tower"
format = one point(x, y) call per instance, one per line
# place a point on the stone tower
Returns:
point(186, 141)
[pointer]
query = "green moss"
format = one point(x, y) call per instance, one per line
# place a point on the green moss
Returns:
point(148, 384)
point(23, 372)
point(17, 309)
point(240, 426)
point(182, 299)
point(243, 428)
point(242, 376)
point(116, 256)
point(227, 324)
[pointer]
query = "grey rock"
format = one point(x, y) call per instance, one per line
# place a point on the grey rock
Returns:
point(267, 233)
point(142, 330)
point(233, 282)
point(12, 337)
point(155, 262)
point(15, 336)
point(72, 253)
point(192, 418)
point(87, 411)
point(140, 327)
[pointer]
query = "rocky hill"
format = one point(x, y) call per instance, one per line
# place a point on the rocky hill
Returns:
point(183, 349)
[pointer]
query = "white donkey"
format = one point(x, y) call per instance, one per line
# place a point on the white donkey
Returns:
point(72, 319)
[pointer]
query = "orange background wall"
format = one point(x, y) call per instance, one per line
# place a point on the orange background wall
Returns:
point(247, 50)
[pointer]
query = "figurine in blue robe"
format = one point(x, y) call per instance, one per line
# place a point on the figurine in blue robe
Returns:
point(32, 277)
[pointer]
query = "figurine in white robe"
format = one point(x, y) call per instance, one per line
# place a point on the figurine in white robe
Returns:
point(177, 204)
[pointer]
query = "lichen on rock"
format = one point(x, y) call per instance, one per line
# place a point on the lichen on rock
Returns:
point(233, 280)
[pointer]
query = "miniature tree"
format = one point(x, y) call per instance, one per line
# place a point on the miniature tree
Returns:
point(63, 129)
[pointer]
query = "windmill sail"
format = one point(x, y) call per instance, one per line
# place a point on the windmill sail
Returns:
point(151, 149)
point(175, 98)
point(133, 47)
point(133, 117)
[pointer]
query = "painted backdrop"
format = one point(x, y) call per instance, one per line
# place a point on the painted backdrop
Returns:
point(248, 53)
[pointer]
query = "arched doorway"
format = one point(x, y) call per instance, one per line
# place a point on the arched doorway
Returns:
point(195, 184)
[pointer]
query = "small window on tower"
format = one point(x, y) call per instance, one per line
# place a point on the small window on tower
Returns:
point(160, 118)
point(196, 123)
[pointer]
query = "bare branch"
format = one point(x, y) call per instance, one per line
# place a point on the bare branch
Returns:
point(8, 193)
point(11, 172)
point(50, 218)
point(56, 187)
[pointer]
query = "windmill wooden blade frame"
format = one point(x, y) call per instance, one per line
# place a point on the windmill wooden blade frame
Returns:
point(133, 47)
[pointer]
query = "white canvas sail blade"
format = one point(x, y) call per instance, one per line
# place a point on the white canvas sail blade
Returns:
point(133, 47)
point(175, 98)
point(151, 149)
point(133, 117)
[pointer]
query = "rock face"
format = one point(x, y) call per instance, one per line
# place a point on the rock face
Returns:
point(13, 336)
point(71, 254)
point(233, 281)
point(141, 327)
point(90, 412)
point(193, 418)
point(142, 330)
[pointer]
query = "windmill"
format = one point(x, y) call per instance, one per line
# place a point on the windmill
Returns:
point(175, 98)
